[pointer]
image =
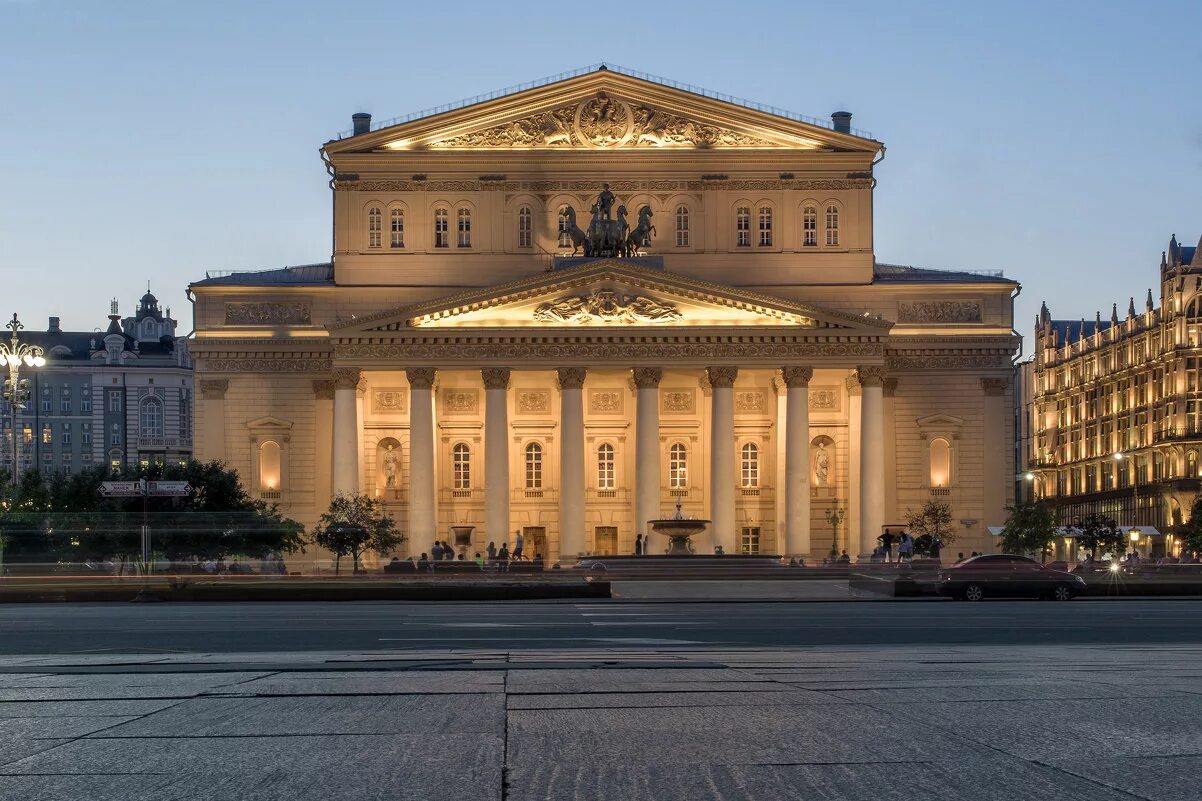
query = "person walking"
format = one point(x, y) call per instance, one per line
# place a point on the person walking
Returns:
point(519, 542)
point(638, 545)
point(905, 549)
point(886, 541)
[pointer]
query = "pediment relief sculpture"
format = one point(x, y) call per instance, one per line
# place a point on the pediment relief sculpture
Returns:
point(606, 306)
point(602, 121)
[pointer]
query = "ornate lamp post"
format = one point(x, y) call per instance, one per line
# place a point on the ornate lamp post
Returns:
point(15, 353)
point(834, 516)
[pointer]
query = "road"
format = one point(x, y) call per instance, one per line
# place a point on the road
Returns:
point(269, 627)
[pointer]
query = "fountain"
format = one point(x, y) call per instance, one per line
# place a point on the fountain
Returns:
point(679, 530)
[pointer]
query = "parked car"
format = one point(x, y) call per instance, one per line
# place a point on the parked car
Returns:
point(1000, 575)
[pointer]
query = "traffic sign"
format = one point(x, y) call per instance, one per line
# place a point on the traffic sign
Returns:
point(177, 488)
point(120, 489)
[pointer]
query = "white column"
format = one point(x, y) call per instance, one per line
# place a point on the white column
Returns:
point(323, 430)
point(723, 469)
point(646, 451)
point(496, 454)
point(423, 506)
point(345, 478)
point(571, 463)
point(872, 456)
point(998, 455)
point(851, 528)
point(797, 461)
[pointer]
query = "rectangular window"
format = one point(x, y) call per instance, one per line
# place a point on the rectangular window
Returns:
point(85, 400)
point(114, 401)
point(809, 227)
point(750, 540)
point(47, 435)
point(85, 434)
point(465, 228)
point(397, 223)
point(64, 405)
point(65, 434)
point(45, 404)
point(115, 435)
point(743, 227)
point(765, 226)
point(441, 229)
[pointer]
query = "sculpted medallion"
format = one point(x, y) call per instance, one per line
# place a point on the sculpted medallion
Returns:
point(606, 306)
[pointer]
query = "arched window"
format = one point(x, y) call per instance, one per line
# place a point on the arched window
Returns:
point(605, 467)
point(465, 228)
point(765, 226)
point(1193, 324)
point(397, 228)
point(151, 417)
point(462, 459)
point(749, 465)
point(941, 462)
point(678, 466)
point(743, 226)
point(442, 236)
point(374, 226)
point(565, 228)
point(832, 225)
point(809, 227)
point(1191, 464)
point(269, 465)
point(682, 226)
point(525, 227)
point(534, 466)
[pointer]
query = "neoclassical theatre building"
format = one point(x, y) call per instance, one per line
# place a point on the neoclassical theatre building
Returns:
point(567, 308)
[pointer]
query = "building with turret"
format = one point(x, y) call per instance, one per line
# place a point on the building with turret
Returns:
point(119, 395)
point(1114, 411)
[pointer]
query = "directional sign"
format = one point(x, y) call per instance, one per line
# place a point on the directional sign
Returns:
point(120, 489)
point(179, 488)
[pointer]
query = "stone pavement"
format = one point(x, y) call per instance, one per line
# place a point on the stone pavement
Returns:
point(967, 722)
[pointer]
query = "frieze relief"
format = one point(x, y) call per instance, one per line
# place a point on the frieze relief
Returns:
point(389, 400)
point(948, 362)
point(677, 401)
point(460, 401)
point(606, 351)
point(940, 311)
point(604, 401)
point(606, 306)
point(264, 313)
point(267, 365)
point(533, 402)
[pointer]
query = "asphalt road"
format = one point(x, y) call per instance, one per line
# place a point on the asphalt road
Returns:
point(268, 627)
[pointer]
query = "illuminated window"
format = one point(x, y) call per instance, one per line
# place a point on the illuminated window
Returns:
point(743, 226)
point(441, 231)
point(749, 465)
point(464, 228)
point(525, 227)
point(605, 467)
point(565, 228)
point(47, 434)
point(682, 226)
point(269, 465)
point(809, 227)
point(374, 226)
point(396, 222)
point(151, 417)
point(462, 458)
point(750, 539)
point(678, 467)
point(534, 466)
point(941, 462)
point(832, 225)
point(765, 226)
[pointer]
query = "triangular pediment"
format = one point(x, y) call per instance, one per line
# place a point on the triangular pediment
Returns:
point(609, 293)
point(604, 110)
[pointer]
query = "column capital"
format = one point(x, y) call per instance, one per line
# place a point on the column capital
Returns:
point(495, 377)
point(421, 377)
point(346, 377)
point(797, 377)
point(995, 386)
point(323, 389)
point(890, 387)
point(722, 377)
point(214, 388)
point(647, 377)
point(871, 375)
point(571, 377)
point(853, 384)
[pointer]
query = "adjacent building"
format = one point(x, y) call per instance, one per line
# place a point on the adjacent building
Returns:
point(120, 395)
point(1115, 407)
point(565, 309)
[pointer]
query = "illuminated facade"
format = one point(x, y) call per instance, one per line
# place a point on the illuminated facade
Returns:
point(1115, 411)
point(463, 359)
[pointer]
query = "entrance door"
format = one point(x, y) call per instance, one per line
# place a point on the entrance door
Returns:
point(536, 541)
point(605, 540)
point(751, 539)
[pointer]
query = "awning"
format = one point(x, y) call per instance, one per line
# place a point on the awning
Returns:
point(1069, 531)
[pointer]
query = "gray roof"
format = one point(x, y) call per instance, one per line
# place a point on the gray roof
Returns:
point(1070, 330)
point(303, 274)
point(1187, 254)
point(904, 274)
point(79, 343)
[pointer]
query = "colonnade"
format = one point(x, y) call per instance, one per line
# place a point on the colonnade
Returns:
point(794, 537)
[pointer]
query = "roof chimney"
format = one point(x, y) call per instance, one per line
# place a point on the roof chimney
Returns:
point(53, 328)
point(841, 121)
point(361, 122)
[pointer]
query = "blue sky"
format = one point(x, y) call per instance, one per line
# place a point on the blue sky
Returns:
point(1059, 142)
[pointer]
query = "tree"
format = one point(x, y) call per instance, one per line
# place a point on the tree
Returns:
point(354, 525)
point(1191, 532)
point(1098, 531)
point(930, 524)
point(1030, 528)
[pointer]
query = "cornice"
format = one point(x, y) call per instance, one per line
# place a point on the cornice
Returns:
point(735, 350)
point(536, 187)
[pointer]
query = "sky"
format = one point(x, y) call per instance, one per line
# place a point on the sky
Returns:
point(155, 140)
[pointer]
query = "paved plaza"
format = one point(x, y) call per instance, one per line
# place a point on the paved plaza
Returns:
point(640, 716)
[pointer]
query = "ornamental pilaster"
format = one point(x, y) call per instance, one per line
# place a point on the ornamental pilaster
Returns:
point(323, 389)
point(890, 387)
point(214, 388)
point(852, 382)
point(995, 386)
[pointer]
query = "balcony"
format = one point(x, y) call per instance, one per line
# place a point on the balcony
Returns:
point(940, 492)
point(1179, 432)
point(153, 443)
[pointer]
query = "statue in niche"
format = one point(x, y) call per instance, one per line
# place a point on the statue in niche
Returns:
point(822, 466)
point(390, 468)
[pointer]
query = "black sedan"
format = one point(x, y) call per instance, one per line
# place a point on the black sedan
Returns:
point(999, 575)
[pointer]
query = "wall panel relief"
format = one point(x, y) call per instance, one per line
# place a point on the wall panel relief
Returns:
point(940, 311)
point(533, 402)
point(677, 401)
point(605, 401)
point(749, 400)
point(389, 400)
point(460, 401)
point(261, 313)
point(824, 399)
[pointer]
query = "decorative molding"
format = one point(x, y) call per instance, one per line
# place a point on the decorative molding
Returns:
point(606, 306)
point(951, 361)
point(871, 375)
point(571, 377)
point(749, 400)
point(606, 401)
point(546, 189)
point(421, 377)
point(797, 376)
point(995, 386)
point(592, 352)
point(214, 388)
point(347, 377)
point(268, 313)
point(647, 377)
point(534, 402)
point(722, 377)
point(295, 365)
point(677, 401)
point(460, 401)
point(939, 311)
point(853, 384)
point(495, 377)
point(323, 389)
point(389, 400)
point(825, 399)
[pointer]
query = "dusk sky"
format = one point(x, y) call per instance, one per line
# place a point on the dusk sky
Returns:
point(1061, 143)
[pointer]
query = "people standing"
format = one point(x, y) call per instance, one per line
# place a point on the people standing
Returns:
point(519, 542)
point(491, 550)
point(503, 557)
point(436, 551)
point(886, 541)
point(638, 545)
point(905, 548)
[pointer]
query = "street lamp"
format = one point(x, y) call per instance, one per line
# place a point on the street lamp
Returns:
point(16, 390)
point(1134, 535)
point(834, 516)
